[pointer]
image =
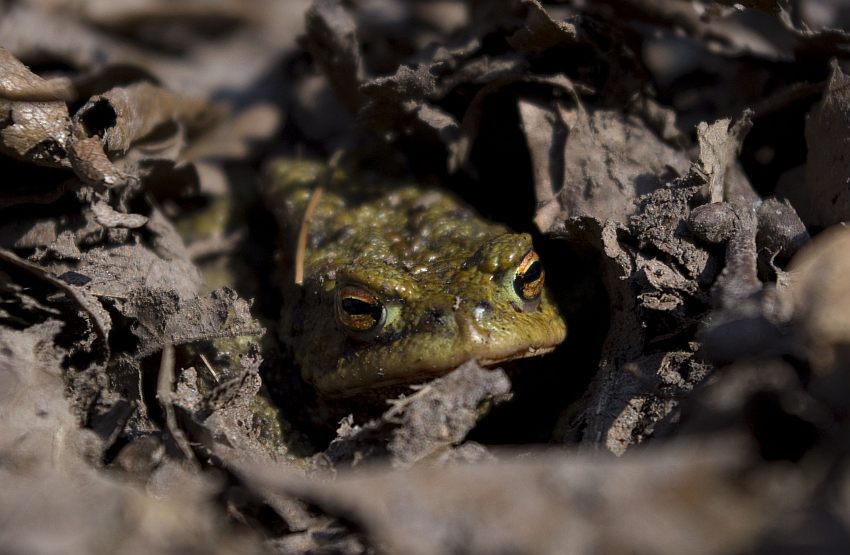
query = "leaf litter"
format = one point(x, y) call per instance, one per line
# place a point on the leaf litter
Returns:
point(680, 163)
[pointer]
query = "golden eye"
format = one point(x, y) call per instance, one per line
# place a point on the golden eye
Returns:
point(358, 310)
point(528, 280)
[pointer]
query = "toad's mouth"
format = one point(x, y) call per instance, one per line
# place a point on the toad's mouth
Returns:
point(412, 374)
point(522, 353)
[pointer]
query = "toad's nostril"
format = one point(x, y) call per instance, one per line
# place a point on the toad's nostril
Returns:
point(469, 327)
point(480, 311)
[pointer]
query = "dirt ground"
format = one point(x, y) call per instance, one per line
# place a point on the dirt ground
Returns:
point(682, 165)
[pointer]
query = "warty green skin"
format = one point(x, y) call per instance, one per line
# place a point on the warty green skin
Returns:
point(443, 273)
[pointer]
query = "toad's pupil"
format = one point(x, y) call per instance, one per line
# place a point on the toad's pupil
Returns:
point(533, 272)
point(356, 307)
point(529, 284)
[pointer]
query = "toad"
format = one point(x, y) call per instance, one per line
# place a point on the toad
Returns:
point(399, 284)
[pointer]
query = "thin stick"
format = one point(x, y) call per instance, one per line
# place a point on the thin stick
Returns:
point(304, 231)
point(301, 248)
point(209, 367)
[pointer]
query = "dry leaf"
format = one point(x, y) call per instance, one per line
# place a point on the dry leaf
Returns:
point(33, 130)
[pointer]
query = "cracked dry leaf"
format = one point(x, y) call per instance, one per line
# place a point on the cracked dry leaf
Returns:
point(32, 130)
point(164, 318)
point(398, 105)
point(153, 320)
point(231, 420)
point(657, 278)
point(592, 162)
point(443, 412)
point(425, 425)
point(117, 270)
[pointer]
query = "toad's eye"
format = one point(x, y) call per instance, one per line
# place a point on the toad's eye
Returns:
point(528, 280)
point(359, 310)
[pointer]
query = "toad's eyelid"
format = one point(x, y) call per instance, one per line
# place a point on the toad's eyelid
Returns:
point(528, 261)
point(356, 292)
point(384, 282)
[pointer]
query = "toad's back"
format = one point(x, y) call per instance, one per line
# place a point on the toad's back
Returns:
point(401, 283)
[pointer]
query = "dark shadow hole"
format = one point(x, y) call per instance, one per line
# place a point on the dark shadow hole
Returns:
point(97, 119)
